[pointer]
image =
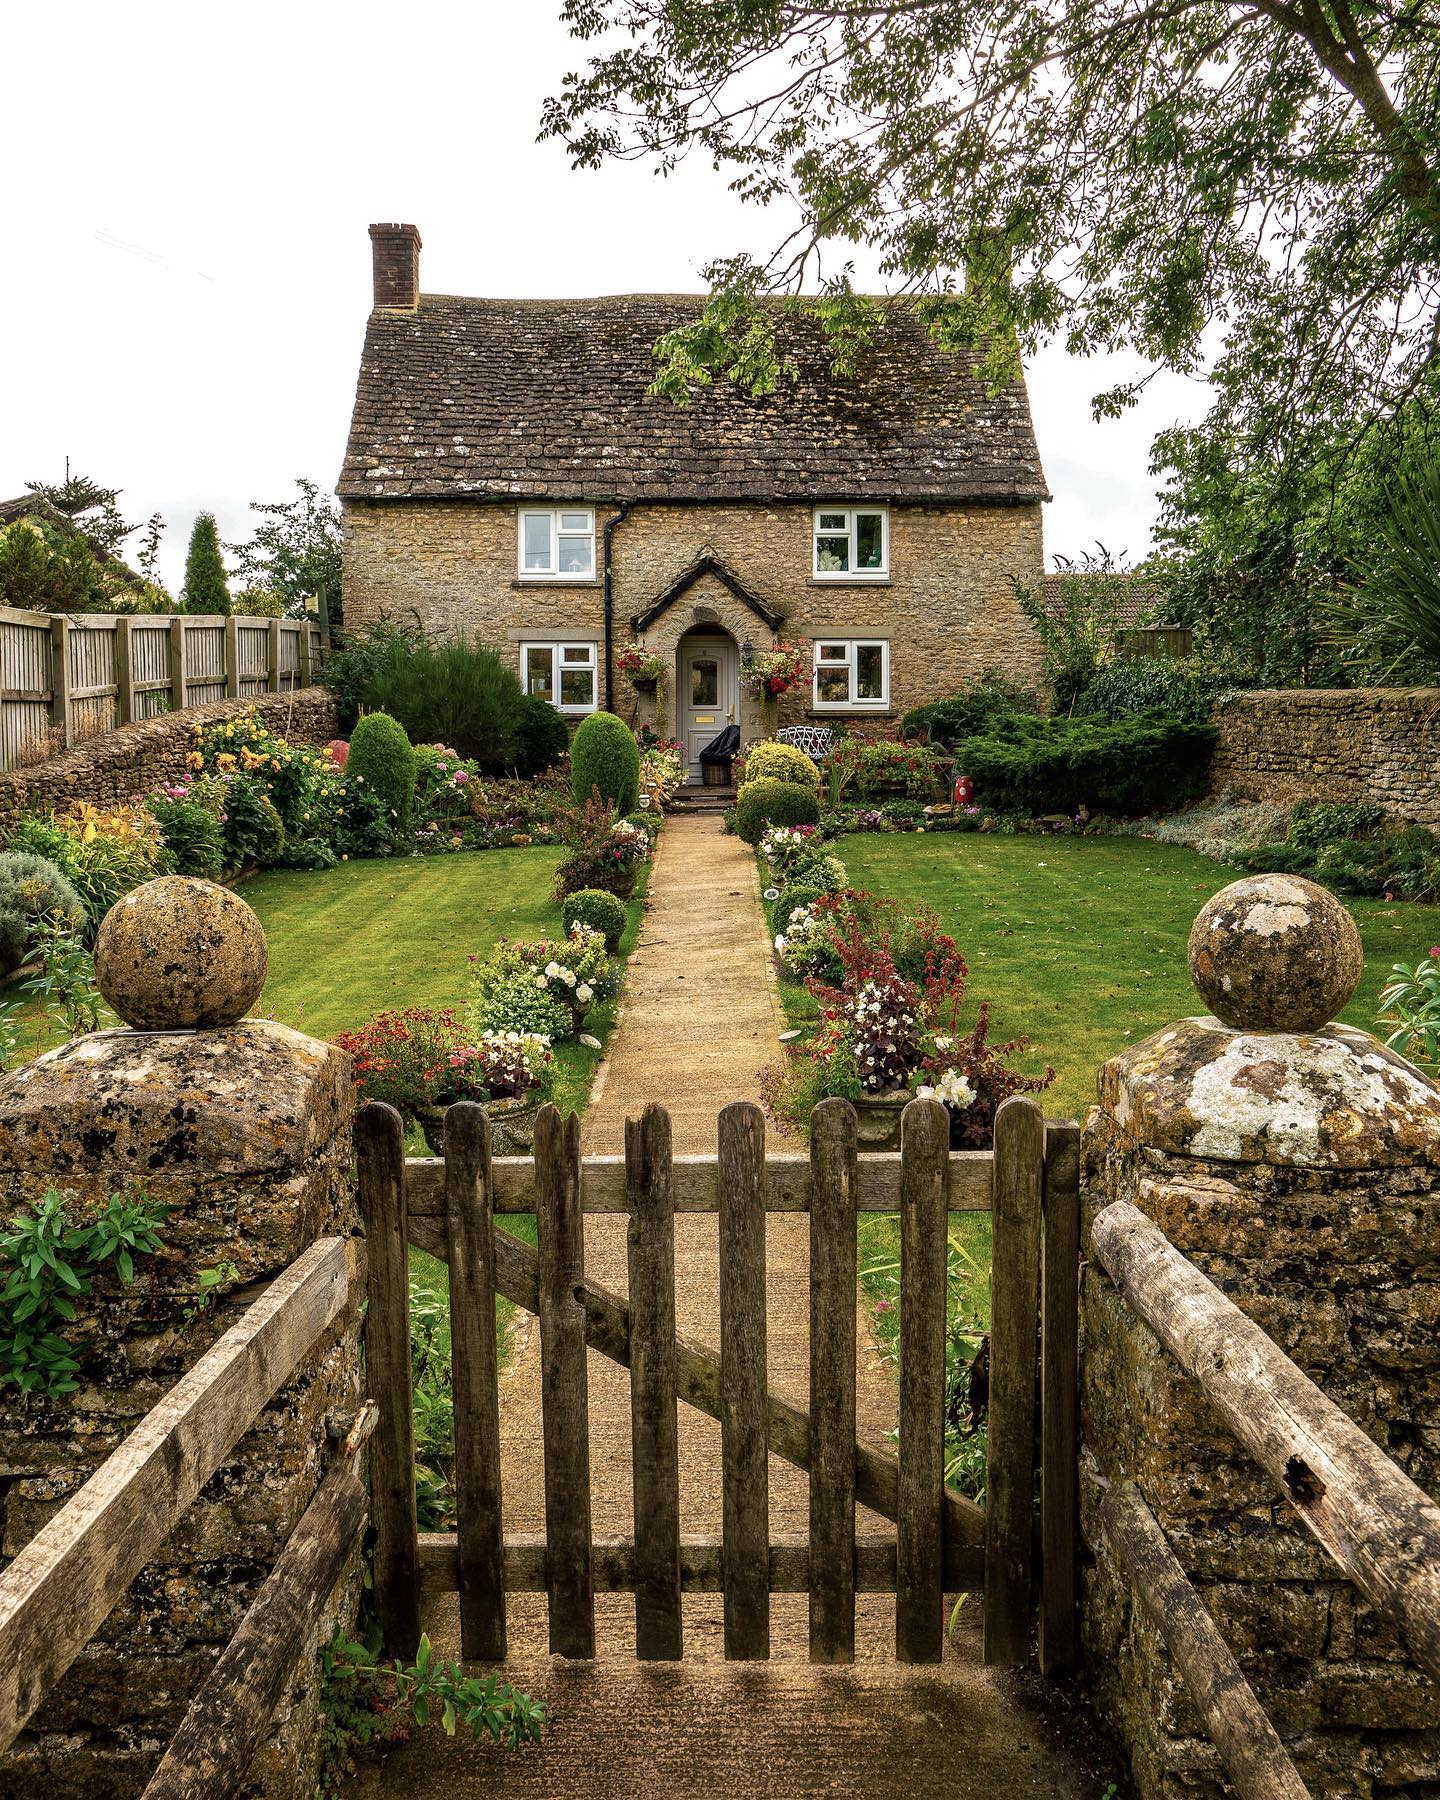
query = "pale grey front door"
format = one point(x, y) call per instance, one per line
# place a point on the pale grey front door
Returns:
point(709, 693)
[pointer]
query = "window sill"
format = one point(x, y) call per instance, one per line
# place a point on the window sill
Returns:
point(848, 580)
point(553, 581)
point(818, 715)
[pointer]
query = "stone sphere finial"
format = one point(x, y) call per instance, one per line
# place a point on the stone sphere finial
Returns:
point(1275, 953)
point(179, 953)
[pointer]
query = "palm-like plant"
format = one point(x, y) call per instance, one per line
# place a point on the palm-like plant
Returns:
point(1389, 620)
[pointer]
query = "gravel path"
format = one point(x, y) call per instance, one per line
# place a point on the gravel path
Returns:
point(701, 1019)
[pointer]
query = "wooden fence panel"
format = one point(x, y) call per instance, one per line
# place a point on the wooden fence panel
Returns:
point(150, 672)
point(654, 1425)
point(745, 1452)
point(204, 660)
point(252, 643)
point(563, 1393)
point(1014, 1307)
point(832, 1382)
point(478, 1499)
point(924, 1231)
point(93, 684)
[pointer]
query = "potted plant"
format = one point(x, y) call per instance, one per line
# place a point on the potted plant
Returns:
point(776, 672)
point(644, 669)
point(513, 1073)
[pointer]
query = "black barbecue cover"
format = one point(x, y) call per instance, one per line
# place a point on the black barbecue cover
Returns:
point(724, 747)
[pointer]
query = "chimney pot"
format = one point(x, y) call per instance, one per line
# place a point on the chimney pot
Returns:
point(395, 252)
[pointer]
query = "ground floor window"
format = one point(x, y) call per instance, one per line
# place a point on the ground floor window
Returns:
point(851, 672)
point(563, 674)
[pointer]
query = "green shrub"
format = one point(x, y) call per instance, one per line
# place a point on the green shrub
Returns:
point(601, 911)
point(382, 759)
point(349, 670)
point(970, 712)
point(605, 755)
point(459, 692)
point(254, 833)
point(770, 760)
point(193, 835)
point(541, 737)
point(793, 894)
point(762, 803)
point(1182, 688)
point(515, 1003)
point(1058, 765)
point(32, 890)
point(1317, 822)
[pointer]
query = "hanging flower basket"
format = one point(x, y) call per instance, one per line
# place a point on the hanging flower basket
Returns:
point(644, 669)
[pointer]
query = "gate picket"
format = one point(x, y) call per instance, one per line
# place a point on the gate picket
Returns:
point(744, 1447)
point(924, 1230)
point(469, 1204)
point(380, 1160)
point(1060, 1396)
point(1014, 1320)
point(564, 1400)
point(654, 1425)
point(832, 1382)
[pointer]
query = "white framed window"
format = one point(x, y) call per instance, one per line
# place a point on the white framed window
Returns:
point(557, 543)
point(563, 674)
point(852, 543)
point(851, 674)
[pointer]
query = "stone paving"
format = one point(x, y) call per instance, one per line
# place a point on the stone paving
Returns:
point(701, 1019)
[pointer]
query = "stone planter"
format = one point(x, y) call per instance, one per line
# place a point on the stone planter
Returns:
point(512, 1125)
point(877, 1119)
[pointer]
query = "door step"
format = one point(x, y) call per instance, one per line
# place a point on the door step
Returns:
point(702, 799)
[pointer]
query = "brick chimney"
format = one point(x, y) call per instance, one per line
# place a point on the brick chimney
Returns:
point(395, 250)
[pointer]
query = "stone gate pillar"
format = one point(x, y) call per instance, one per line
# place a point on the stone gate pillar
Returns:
point(242, 1127)
point(1296, 1162)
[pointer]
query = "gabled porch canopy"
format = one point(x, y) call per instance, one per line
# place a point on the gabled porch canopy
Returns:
point(707, 564)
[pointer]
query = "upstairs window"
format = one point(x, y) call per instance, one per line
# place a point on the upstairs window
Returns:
point(852, 674)
point(563, 674)
point(558, 543)
point(851, 543)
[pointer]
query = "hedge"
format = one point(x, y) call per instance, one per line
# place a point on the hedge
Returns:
point(762, 803)
point(1059, 765)
point(605, 755)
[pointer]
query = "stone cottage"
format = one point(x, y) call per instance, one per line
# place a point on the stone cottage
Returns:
point(509, 475)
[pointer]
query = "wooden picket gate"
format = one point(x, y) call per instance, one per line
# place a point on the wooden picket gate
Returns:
point(943, 1542)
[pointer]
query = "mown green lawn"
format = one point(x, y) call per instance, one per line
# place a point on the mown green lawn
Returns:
point(1079, 943)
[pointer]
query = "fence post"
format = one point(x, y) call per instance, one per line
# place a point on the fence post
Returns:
point(60, 713)
point(1293, 1162)
point(272, 656)
point(177, 664)
point(305, 655)
point(124, 672)
point(232, 657)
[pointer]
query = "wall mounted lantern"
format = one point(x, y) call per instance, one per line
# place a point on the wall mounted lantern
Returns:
point(747, 656)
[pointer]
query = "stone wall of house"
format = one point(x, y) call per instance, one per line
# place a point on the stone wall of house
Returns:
point(1373, 744)
point(245, 1132)
point(137, 758)
point(1301, 1173)
point(948, 609)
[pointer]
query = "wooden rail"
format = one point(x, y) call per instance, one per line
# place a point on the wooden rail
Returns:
point(1248, 1743)
point(943, 1543)
point(59, 1589)
point(73, 677)
point(1376, 1524)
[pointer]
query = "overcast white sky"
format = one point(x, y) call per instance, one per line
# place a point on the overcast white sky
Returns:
point(187, 270)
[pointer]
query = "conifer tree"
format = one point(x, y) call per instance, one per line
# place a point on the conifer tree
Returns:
point(206, 589)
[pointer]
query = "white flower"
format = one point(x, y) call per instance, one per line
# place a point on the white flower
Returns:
point(780, 945)
point(541, 983)
point(552, 969)
point(584, 993)
point(943, 1043)
point(568, 977)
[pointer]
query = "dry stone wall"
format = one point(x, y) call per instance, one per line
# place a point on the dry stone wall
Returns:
point(137, 758)
point(1362, 744)
point(245, 1132)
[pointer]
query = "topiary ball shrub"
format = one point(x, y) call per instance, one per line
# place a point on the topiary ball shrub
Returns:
point(597, 909)
point(541, 736)
point(605, 755)
point(31, 890)
point(762, 803)
point(794, 894)
point(771, 760)
point(383, 760)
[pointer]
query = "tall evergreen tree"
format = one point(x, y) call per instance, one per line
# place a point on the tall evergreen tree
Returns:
point(206, 589)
